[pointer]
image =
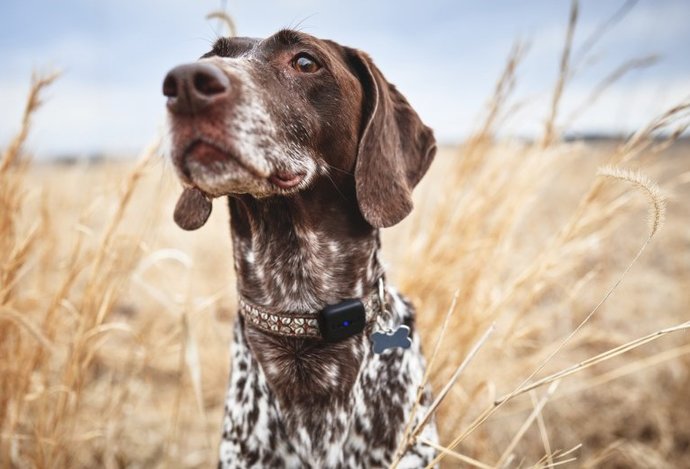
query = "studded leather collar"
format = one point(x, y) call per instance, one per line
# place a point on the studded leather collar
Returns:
point(300, 325)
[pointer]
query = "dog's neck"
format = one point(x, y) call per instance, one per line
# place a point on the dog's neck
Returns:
point(299, 253)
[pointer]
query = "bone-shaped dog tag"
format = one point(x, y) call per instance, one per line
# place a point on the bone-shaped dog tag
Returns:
point(382, 341)
point(192, 210)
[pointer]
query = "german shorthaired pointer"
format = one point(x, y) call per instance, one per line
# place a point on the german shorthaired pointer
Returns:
point(315, 152)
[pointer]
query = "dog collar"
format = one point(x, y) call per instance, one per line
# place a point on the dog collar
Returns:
point(332, 324)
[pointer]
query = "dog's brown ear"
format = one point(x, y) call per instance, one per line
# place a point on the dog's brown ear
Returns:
point(395, 148)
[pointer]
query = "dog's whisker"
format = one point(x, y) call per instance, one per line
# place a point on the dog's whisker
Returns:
point(335, 168)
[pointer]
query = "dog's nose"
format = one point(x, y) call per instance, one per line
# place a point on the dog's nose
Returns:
point(192, 87)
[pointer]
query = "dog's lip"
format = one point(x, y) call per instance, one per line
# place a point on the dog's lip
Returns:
point(206, 152)
point(286, 179)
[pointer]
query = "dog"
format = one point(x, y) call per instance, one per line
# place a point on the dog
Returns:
point(315, 152)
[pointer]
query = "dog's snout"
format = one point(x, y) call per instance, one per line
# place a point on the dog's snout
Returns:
point(192, 87)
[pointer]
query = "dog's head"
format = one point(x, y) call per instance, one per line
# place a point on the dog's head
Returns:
point(270, 117)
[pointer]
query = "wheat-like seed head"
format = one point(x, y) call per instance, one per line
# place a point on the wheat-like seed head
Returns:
point(657, 202)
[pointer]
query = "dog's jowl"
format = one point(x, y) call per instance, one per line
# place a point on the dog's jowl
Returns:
point(315, 151)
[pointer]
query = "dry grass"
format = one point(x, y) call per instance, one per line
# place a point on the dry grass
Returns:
point(114, 324)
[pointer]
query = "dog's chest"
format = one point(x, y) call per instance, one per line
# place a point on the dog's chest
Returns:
point(297, 406)
point(311, 387)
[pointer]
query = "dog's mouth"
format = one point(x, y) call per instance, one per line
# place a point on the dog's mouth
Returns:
point(209, 170)
point(204, 153)
point(286, 179)
point(201, 158)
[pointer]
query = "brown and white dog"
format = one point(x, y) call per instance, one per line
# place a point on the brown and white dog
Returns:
point(315, 152)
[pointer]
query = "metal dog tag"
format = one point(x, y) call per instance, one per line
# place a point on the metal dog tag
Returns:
point(382, 341)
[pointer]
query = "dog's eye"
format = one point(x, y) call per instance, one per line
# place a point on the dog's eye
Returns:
point(305, 63)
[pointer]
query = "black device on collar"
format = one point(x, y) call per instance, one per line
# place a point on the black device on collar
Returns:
point(342, 320)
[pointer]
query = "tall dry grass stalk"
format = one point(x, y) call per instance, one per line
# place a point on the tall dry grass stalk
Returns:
point(512, 298)
point(225, 19)
point(49, 343)
point(563, 76)
point(11, 170)
point(479, 231)
point(33, 102)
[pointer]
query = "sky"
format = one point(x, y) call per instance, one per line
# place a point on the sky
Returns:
point(444, 55)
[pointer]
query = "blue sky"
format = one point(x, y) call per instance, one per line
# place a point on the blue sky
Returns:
point(444, 55)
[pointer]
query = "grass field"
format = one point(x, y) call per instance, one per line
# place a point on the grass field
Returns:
point(115, 324)
point(115, 332)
